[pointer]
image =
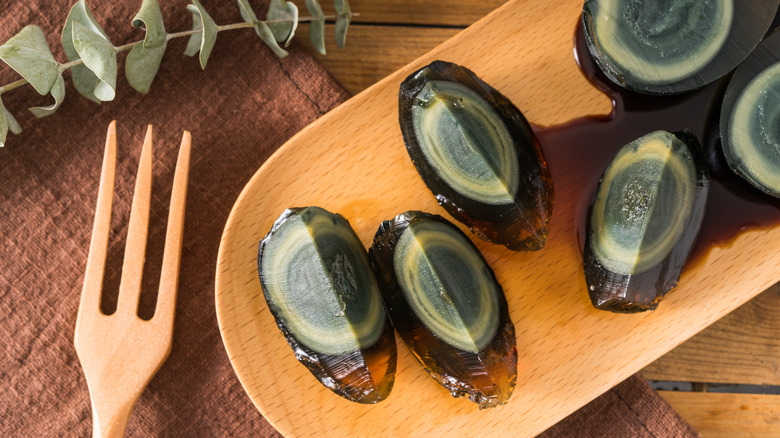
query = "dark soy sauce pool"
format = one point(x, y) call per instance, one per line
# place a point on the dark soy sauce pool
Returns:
point(578, 152)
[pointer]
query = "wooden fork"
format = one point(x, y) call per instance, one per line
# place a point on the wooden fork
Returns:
point(121, 352)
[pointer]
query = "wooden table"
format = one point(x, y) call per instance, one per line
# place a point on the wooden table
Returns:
point(742, 348)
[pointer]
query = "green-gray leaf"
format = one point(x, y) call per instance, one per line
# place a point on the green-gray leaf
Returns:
point(342, 22)
point(99, 56)
point(7, 122)
point(3, 129)
point(150, 17)
point(247, 13)
point(281, 10)
point(262, 29)
point(316, 26)
point(3, 125)
point(28, 53)
point(144, 59)
point(58, 93)
point(342, 7)
point(141, 66)
point(13, 125)
point(193, 43)
point(83, 79)
point(204, 40)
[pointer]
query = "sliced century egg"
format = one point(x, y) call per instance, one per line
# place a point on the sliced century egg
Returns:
point(318, 285)
point(447, 306)
point(478, 155)
point(673, 46)
point(750, 118)
point(644, 220)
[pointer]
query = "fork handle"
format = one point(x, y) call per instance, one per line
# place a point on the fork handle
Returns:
point(110, 419)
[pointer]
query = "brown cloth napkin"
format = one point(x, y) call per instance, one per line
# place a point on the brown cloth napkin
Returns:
point(630, 409)
point(245, 105)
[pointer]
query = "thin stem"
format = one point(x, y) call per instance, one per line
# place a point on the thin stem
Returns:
point(248, 24)
point(185, 33)
point(123, 48)
point(12, 85)
point(244, 25)
point(70, 64)
point(128, 46)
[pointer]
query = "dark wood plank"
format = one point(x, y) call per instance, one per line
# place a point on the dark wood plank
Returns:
point(373, 52)
point(429, 12)
point(743, 347)
point(728, 415)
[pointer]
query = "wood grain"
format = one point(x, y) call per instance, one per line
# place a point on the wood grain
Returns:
point(449, 13)
point(728, 415)
point(352, 161)
point(743, 347)
point(374, 52)
point(120, 353)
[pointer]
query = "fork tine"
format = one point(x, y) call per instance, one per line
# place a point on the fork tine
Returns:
point(135, 247)
point(96, 261)
point(169, 277)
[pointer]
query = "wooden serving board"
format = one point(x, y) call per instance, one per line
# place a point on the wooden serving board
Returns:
point(353, 161)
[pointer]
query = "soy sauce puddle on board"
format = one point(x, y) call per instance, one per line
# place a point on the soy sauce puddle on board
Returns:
point(578, 152)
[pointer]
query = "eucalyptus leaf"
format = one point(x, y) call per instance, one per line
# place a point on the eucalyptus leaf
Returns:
point(193, 43)
point(201, 21)
point(3, 125)
point(262, 29)
point(58, 93)
point(247, 13)
point(150, 17)
point(342, 7)
point(280, 10)
point(3, 129)
point(99, 56)
point(13, 125)
point(7, 122)
point(83, 79)
point(28, 53)
point(144, 59)
point(342, 22)
point(316, 26)
point(141, 66)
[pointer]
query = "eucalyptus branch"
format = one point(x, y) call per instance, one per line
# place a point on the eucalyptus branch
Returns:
point(92, 57)
point(246, 24)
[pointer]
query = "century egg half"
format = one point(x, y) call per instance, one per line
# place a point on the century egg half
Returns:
point(478, 155)
point(447, 306)
point(750, 118)
point(673, 46)
point(318, 285)
point(644, 220)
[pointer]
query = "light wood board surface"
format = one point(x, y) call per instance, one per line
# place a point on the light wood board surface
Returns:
point(352, 161)
point(741, 348)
